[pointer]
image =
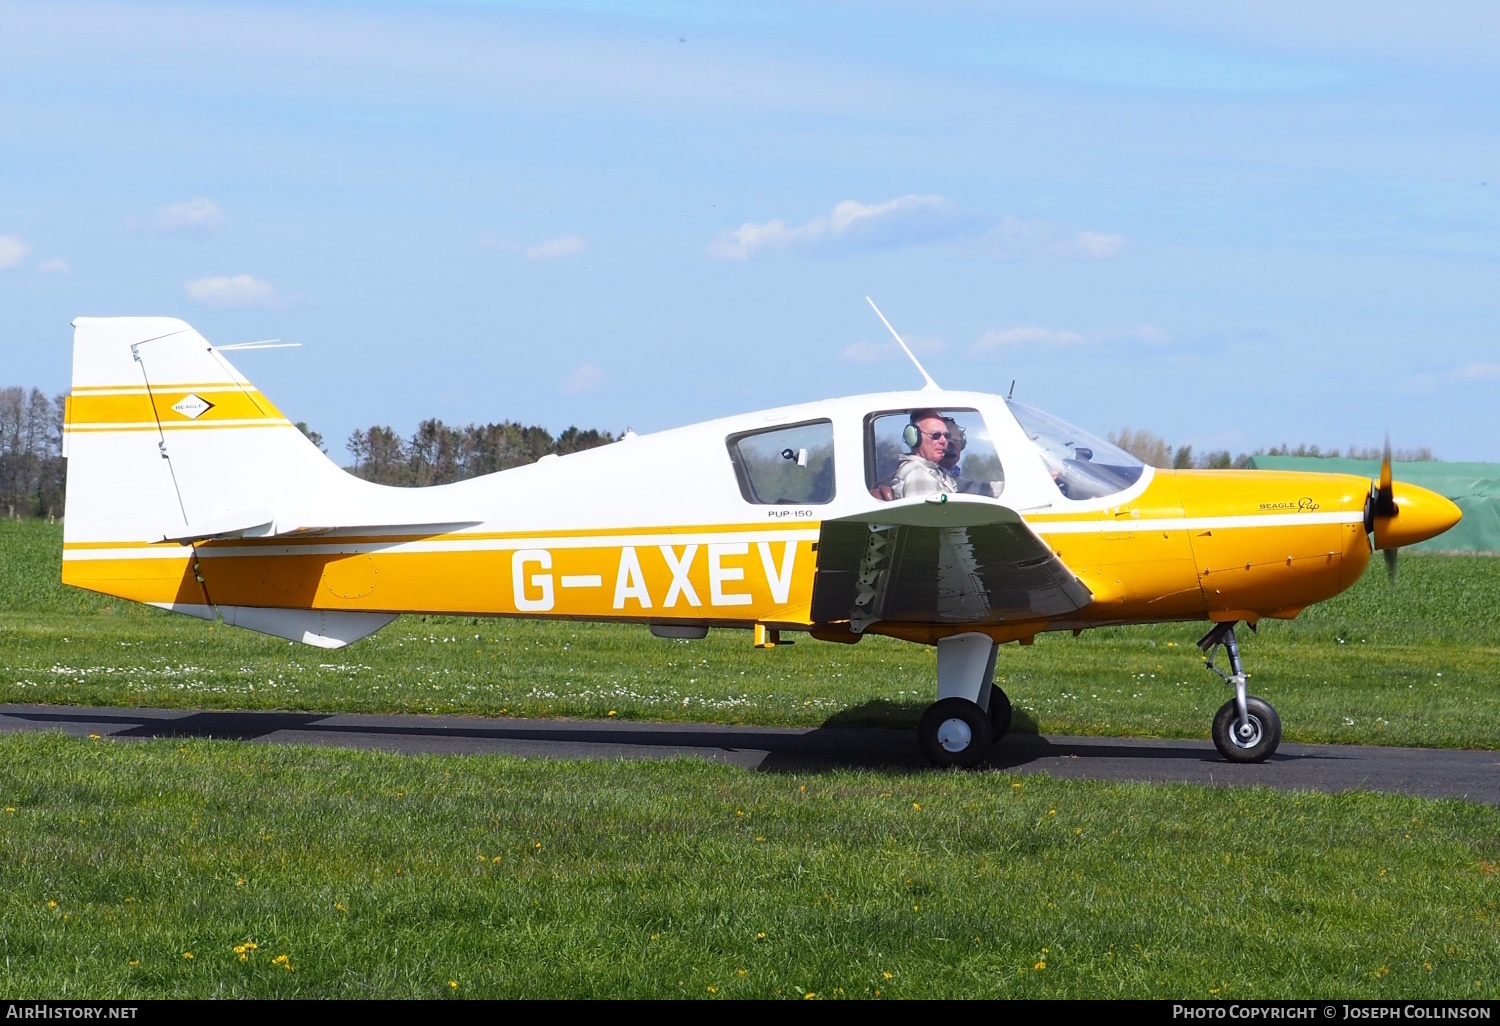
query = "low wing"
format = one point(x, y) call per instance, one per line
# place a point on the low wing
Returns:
point(942, 559)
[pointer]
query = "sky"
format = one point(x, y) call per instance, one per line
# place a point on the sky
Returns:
point(1235, 225)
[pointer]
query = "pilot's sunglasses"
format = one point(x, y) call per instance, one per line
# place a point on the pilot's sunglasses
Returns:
point(935, 435)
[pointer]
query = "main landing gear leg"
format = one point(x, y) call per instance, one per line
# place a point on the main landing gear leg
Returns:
point(971, 713)
point(1246, 728)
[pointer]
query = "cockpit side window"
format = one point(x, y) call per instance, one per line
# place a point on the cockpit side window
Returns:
point(922, 452)
point(1083, 465)
point(789, 465)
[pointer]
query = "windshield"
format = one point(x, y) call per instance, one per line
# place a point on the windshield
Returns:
point(1084, 465)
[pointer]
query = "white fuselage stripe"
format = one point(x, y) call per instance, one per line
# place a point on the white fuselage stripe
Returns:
point(1255, 520)
point(460, 544)
point(455, 544)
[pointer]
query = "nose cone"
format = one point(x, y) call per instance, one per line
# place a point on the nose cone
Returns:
point(1420, 514)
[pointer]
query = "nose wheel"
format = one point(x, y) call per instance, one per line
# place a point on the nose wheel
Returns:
point(1250, 740)
point(1246, 728)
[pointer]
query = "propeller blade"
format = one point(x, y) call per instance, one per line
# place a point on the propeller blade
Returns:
point(1385, 494)
point(1390, 562)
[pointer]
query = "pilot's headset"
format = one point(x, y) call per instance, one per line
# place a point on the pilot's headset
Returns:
point(911, 434)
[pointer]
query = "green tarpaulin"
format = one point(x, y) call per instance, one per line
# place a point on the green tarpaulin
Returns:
point(1474, 488)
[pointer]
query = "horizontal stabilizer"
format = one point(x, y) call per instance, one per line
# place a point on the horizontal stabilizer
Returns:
point(963, 560)
point(252, 523)
point(261, 523)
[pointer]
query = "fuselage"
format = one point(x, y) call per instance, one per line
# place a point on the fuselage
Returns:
point(664, 528)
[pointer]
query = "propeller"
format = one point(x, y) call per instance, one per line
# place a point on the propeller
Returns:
point(1415, 515)
point(1383, 507)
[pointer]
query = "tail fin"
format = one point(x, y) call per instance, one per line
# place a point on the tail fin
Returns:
point(168, 444)
point(166, 441)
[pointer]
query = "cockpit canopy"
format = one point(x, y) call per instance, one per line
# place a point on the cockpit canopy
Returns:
point(1084, 465)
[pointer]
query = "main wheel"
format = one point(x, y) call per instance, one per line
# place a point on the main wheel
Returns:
point(1254, 744)
point(954, 732)
point(1000, 714)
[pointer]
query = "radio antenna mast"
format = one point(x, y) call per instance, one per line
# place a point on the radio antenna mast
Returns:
point(931, 386)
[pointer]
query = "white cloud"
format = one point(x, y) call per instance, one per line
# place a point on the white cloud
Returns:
point(560, 248)
point(913, 219)
point(56, 265)
point(196, 216)
point(12, 251)
point(1152, 334)
point(1031, 338)
point(1017, 239)
point(587, 378)
point(232, 292)
point(1097, 246)
point(881, 352)
point(1481, 372)
point(900, 221)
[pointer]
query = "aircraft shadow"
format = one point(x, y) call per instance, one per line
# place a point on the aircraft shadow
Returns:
point(836, 744)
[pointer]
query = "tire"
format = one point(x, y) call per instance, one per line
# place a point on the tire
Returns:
point(954, 732)
point(1000, 714)
point(1265, 726)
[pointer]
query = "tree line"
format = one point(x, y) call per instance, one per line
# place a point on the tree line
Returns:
point(1154, 451)
point(31, 463)
point(33, 473)
point(437, 453)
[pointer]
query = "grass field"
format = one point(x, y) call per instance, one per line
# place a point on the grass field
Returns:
point(211, 868)
point(1414, 665)
point(222, 869)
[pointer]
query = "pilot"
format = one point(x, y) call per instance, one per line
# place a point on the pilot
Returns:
point(937, 444)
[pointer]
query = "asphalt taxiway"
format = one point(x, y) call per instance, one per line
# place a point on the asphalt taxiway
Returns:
point(1431, 772)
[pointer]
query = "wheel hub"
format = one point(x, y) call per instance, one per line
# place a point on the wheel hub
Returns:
point(1247, 734)
point(955, 735)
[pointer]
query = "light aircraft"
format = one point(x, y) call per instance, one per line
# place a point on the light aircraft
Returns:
point(950, 518)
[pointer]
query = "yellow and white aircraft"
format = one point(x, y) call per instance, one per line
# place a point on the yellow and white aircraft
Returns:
point(951, 518)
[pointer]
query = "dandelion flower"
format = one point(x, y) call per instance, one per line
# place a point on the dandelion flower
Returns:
point(742, 971)
point(187, 955)
point(453, 984)
point(917, 806)
point(339, 907)
point(1040, 966)
point(134, 962)
point(239, 881)
point(889, 976)
point(51, 904)
point(760, 936)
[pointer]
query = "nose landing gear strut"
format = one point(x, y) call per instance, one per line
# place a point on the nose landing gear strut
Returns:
point(1246, 728)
